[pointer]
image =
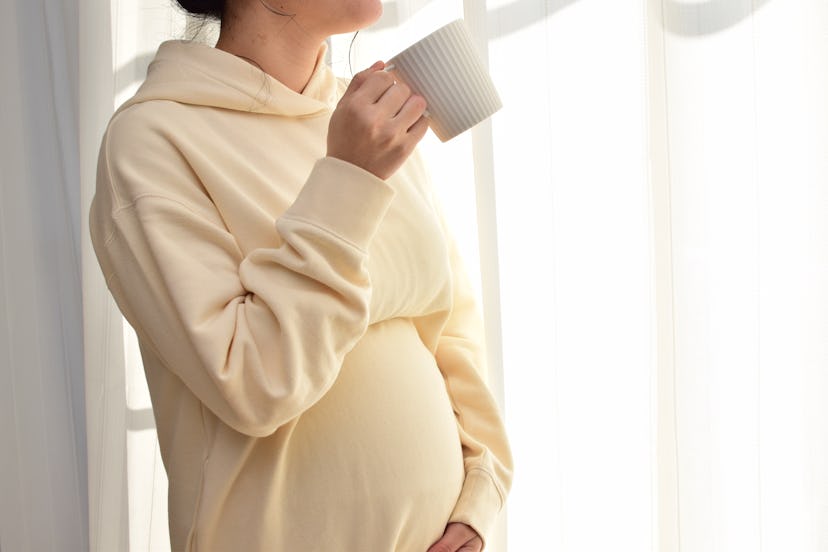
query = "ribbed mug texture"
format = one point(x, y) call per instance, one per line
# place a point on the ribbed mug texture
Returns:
point(445, 69)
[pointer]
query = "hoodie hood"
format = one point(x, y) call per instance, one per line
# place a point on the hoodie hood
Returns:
point(197, 74)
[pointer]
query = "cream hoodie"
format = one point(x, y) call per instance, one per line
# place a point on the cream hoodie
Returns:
point(311, 346)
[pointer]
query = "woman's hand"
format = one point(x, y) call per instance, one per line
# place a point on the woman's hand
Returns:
point(377, 123)
point(458, 537)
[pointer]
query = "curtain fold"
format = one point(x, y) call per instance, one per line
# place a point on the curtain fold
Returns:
point(716, 111)
point(745, 128)
point(43, 478)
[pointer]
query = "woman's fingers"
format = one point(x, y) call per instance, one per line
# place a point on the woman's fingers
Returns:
point(411, 112)
point(374, 87)
point(377, 123)
point(418, 130)
point(458, 537)
point(360, 78)
point(391, 96)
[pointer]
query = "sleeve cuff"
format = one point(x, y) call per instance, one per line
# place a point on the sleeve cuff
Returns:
point(343, 199)
point(479, 503)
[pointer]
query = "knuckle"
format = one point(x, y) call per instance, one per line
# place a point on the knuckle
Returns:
point(357, 81)
point(404, 88)
point(385, 132)
point(385, 77)
point(378, 132)
point(367, 120)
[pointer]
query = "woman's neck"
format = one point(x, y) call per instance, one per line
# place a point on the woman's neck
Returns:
point(277, 44)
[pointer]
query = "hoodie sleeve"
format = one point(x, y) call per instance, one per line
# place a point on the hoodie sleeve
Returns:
point(258, 338)
point(487, 457)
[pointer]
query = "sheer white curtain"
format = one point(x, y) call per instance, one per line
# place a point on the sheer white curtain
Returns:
point(42, 428)
point(741, 137)
point(661, 171)
point(648, 212)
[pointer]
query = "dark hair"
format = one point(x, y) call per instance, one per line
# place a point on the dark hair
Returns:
point(203, 8)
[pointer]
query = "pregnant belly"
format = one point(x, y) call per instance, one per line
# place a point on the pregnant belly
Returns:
point(379, 454)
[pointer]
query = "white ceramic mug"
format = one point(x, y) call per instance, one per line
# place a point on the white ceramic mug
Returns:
point(444, 68)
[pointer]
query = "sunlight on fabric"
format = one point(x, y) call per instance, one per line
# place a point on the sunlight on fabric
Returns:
point(146, 479)
point(137, 29)
point(573, 224)
point(794, 266)
point(754, 192)
point(715, 245)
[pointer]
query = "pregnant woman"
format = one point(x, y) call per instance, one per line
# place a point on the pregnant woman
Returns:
point(311, 344)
